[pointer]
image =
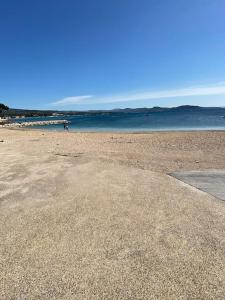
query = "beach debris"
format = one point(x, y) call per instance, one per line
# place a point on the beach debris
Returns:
point(1, 141)
point(59, 154)
point(69, 154)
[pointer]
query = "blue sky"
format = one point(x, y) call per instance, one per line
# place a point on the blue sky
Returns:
point(93, 54)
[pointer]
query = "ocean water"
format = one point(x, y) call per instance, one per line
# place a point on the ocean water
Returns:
point(172, 120)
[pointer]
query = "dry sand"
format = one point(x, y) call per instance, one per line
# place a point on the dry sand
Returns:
point(95, 216)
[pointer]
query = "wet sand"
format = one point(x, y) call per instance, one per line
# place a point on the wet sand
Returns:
point(95, 216)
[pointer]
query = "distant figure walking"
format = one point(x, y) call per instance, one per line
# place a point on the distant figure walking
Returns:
point(66, 127)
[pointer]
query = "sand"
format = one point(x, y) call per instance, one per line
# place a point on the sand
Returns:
point(95, 216)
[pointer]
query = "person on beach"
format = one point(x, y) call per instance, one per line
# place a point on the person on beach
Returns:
point(66, 127)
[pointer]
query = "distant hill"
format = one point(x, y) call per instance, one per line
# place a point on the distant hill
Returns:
point(188, 107)
point(13, 112)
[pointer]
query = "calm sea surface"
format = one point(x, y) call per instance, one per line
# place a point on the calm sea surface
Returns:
point(203, 119)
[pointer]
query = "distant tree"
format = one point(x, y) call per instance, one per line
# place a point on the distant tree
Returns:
point(3, 108)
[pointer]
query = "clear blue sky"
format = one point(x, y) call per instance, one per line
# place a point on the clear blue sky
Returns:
point(91, 54)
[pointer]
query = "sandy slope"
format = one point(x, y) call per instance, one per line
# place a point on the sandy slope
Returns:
point(95, 216)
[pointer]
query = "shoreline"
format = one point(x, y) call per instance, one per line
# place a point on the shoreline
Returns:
point(112, 132)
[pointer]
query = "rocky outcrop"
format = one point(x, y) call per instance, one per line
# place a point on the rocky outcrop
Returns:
point(34, 123)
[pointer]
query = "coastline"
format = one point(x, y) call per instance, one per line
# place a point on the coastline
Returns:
point(31, 128)
point(179, 119)
point(36, 129)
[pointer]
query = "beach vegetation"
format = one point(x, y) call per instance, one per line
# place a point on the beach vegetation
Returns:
point(3, 109)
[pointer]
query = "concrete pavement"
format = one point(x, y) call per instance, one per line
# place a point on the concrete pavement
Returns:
point(209, 181)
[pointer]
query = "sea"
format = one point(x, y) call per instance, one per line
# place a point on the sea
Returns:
point(141, 121)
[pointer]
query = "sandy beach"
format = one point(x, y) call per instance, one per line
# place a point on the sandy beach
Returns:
point(96, 216)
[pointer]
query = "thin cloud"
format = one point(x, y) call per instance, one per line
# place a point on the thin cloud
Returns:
point(71, 100)
point(218, 89)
